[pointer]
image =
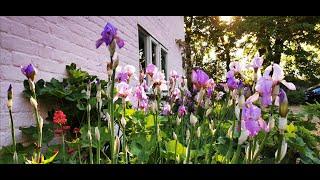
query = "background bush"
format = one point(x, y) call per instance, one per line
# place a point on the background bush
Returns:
point(296, 97)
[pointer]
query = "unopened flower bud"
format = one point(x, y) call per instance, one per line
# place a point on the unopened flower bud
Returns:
point(283, 151)
point(229, 133)
point(89, 135)
point(109, 69)
point(283, 104)
point(115, 63)
point(187, 135)
point(108, 117)
point(9, 104)
point(208, 112)
point(282, 124)
point(178, 120)
point(123, 122)
point(200, 95)
point(213, 131)
point(97, 133)
point(112, 48)
point(243, 136)
point(198, 132)
point(154, 107)
point(32, 86)
point(241, 101)
point(237, 111)
point(271, 123)
point(10, 94)
point(193, 119)
point(33, 102)
point(117, 144)
point(88, 92)
point(88, 107)
point(174, 136)
point(40, 123)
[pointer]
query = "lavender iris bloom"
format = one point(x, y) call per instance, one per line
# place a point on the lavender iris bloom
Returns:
point(264, 87)
point(182, 111)
point(29, 71)
point(166, 109)
point(251, 115)
point(199, 79)
point(257, 63)
point(122, 77)
point(108, 34)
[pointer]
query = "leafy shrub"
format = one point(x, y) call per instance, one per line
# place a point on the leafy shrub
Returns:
point(296, 97)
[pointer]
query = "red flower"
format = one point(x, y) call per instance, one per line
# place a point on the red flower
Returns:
point(59, 118)
point(65, 128)
point(58, 131)
point(76, 130)
point(71, 151)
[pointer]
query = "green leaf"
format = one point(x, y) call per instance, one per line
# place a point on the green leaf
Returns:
point(150, 121)
point(291, 128)
point(181, 150)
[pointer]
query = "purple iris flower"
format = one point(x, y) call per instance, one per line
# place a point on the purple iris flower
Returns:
point(29, 71)
point(182, 111)
point(232, 83)
point(108, 34)
point(122, 77)
point(199, 78)
point(251, 115)
point(166, 109)
point(264, 87)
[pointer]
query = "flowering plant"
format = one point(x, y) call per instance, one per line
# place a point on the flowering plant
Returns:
point(127, 120)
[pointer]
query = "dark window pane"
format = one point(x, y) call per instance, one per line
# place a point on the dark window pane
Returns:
point(163, 57)
point(154, 53)
point(142, 52)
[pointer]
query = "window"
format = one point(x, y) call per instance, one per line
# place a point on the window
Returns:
point(151, 51)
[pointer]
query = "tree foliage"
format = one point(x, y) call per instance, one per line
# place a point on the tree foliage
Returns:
point(293, 41)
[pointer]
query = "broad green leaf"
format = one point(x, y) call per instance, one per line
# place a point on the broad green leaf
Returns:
point(150, 121)
point(181, 150)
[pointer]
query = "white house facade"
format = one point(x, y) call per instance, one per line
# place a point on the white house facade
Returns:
point(52, 42)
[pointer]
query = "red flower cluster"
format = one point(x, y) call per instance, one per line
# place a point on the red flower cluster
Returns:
point(59, 118)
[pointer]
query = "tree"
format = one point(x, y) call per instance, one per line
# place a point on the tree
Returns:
point(280, 37)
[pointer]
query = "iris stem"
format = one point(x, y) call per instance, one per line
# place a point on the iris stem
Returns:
point(175, 152)
point(13, 138)
point(124, 135)
point(63, 148)
point(99, 125)
point(112, 115)
point(90, 138)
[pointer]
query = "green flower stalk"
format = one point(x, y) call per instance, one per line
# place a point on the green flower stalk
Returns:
point(89, 124)
point(283, 111)
point(112, 68)
point(30, 72)
point(99, 106)
point(97, 136)
point(176, 145)
point(124, 147)
point(9, 105)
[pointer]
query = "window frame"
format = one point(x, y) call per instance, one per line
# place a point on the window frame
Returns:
point(148, 41)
